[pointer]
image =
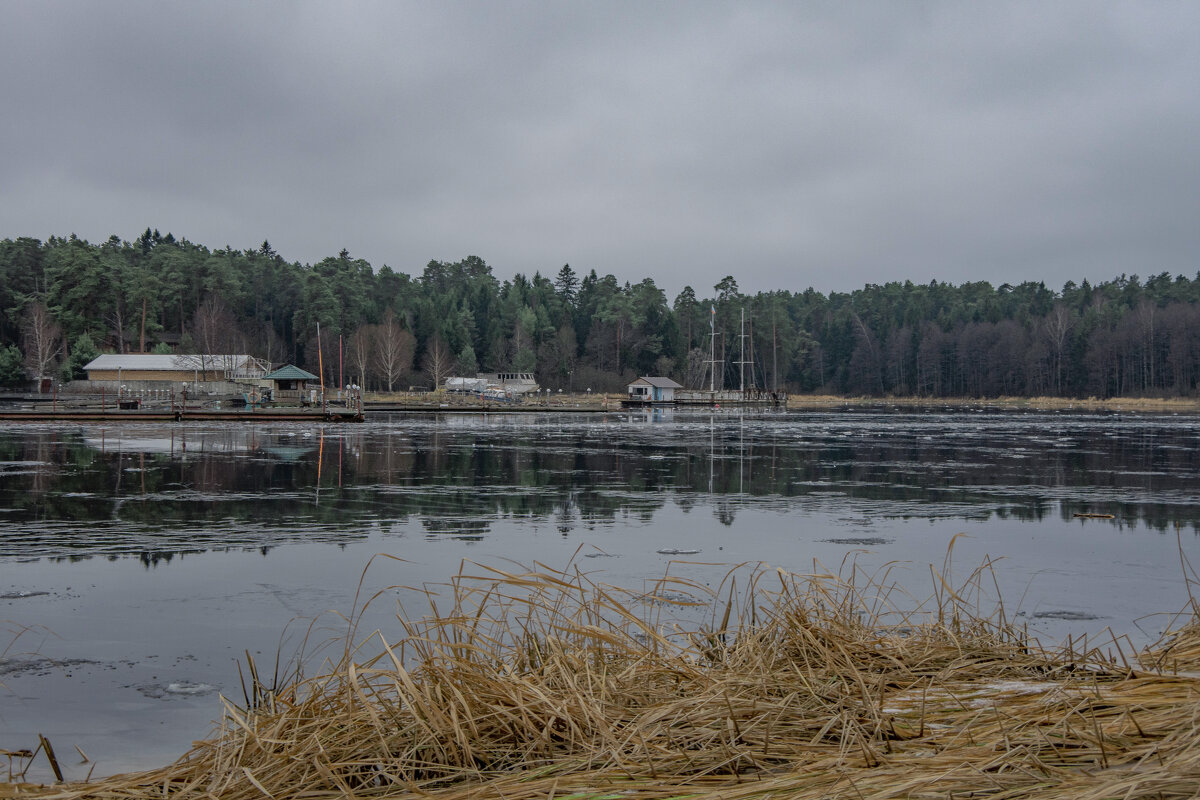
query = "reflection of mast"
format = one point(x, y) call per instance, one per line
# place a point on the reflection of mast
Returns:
point(741, 451)
point(712, 450)
point(320, 458)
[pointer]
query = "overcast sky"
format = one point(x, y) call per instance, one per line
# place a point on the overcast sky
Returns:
point(789, 144)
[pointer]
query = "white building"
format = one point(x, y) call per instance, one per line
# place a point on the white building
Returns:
point(129, 367)
point(510, 382)
point(650, 390)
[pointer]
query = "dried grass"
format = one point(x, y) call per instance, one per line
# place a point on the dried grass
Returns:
point(545, 684)
point(1164, 405)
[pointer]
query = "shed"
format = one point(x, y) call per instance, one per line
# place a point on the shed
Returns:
point(290, 378)
point(653, 390)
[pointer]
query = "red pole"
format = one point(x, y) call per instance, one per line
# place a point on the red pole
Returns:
point(321, 370)
point(341, 380)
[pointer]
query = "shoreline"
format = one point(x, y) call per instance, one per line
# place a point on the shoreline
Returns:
point(408, 402)
point(404, 401)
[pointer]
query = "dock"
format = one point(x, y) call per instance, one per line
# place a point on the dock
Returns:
point(155, 415)
point(88, 409)
point(731, 397)
point(483, 408)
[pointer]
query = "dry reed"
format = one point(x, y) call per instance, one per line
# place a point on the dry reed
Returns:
point(1164, 405)
point(545, 684)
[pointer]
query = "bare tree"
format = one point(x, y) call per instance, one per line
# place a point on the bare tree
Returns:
point(215, 333)
point(43, 340)
point(394, 349)
point(359, 354)
point(267, 343)
point(438, 361)
point(696, 369)
point(866, 366)
point(897, 362)
point(1057, 325)
point(1145, 315)
point(116, 318)
point(931, 360)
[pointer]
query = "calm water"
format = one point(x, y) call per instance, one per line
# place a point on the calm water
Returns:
point(138, 563)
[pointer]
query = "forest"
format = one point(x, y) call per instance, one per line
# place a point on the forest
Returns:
point(64, 300)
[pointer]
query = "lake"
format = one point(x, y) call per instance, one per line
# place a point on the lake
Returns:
point(140, 563)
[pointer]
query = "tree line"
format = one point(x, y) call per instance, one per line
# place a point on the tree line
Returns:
point(64, 300)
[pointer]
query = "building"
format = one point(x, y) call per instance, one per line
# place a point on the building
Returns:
point(152, 367)
point(513, 383)
point(290, 378)
point(652, 390)
point(466, 385)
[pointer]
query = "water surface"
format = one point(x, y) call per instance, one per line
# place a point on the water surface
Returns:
point(139, 563)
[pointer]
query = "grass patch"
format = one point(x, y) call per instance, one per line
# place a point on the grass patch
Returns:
point(545, 684)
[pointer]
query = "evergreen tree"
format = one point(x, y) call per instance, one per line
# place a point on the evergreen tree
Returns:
point(12, 369)
point(83, 352)
point(566, 283)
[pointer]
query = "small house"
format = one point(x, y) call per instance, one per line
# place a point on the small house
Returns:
point(651, 390)
point(290, 378)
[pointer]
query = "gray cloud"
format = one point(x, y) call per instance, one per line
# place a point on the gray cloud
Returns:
point(823, 144)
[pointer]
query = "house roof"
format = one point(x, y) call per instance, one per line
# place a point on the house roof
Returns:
point(290, 373)
point(658, 382)
point(167, 362)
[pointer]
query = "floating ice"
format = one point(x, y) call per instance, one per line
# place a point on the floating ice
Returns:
point(184, 687)
point(160, 691)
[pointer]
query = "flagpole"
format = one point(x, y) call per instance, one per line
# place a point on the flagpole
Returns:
point(321, 365)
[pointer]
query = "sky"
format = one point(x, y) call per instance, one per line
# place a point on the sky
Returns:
point(788, 144)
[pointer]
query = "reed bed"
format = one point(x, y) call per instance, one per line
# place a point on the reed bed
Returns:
point(545, 684)
point(1164, 405)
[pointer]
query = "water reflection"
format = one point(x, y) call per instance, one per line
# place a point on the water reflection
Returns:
point(157, 490)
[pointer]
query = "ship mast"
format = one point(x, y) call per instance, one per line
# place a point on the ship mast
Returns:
point(742, 354)
point(742, 362)
point(712, 349)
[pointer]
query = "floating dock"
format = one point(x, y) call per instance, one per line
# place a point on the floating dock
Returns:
point(75, 412)
point(730, 397)
point(484, 408)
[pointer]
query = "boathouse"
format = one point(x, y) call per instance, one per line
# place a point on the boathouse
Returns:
point(647, 390)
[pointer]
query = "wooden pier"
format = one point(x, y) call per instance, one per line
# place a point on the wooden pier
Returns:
point(731, 397)
point(74, 410)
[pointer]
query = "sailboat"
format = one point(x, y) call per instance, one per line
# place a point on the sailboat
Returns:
point(745, 394)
